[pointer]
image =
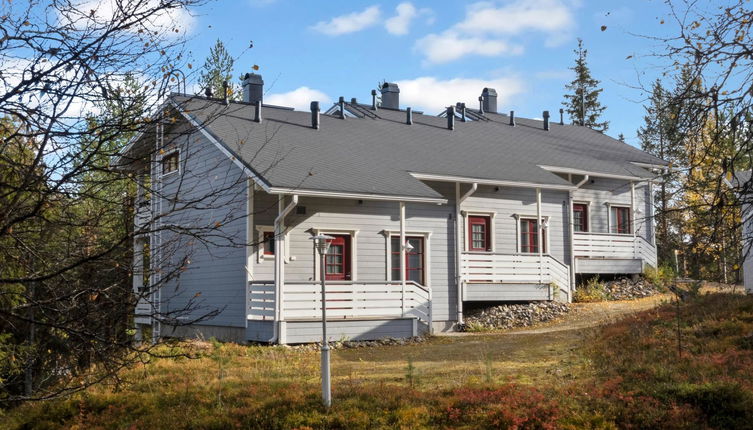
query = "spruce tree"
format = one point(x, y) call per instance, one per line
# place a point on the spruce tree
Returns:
point(582, 97)
point(217, 69)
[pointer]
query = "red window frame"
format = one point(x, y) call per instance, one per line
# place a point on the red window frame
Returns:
point(581, 226)
point(528, 241)
point(337, 263)
point(268, 242)
point(412, 272)
point(483, 223)
point(622, 221)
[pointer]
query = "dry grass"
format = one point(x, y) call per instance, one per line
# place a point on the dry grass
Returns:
point(444, 385)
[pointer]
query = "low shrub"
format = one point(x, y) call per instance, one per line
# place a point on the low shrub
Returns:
point(592, 291)
point(661, 277)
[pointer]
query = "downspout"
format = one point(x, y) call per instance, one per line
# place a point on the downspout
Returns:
point(280, 260)
point(572, 236)
point(459, 243)
point(539, 231)
point(402, 258)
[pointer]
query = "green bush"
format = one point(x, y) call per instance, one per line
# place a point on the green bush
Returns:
point(592, 291)
point(661, 277)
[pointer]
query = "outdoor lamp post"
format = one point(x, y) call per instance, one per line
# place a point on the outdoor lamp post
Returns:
point(321, 243)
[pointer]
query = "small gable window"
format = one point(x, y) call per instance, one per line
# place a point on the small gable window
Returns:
point(170, 162)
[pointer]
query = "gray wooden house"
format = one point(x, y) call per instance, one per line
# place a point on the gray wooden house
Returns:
point(495, 209)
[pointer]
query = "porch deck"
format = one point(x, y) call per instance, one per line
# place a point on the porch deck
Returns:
point(612, 253)
point(355, 310)
point(489, 276)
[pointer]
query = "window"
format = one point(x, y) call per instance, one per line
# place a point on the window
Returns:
point(529, 242)
point(479, 233)
point(414, 259)
point(268, 242)
point(337, 262)
point(170, 162)
point(580, 217)
point(620, 219)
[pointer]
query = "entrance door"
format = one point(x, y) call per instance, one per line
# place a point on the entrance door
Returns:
point(337, 263)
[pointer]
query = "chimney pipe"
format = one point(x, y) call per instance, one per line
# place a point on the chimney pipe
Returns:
point(226, 98)
point(353, 101)
point(341, 102)
point(373, 100)
point(546, 120)
point(462, 112)
point(490, 100)
point(315, 115)
point(512, 118)
point(451, 118)
point(409, 116)
point(390, 95)
point(253, 88)
point(562, 116)
point(257, 116)
point(481, 105)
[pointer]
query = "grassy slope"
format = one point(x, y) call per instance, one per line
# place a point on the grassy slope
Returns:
point(627, 374)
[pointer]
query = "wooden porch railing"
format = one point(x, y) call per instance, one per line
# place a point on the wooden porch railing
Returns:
point(345, 299)
point(490, 267)
point(607, 245)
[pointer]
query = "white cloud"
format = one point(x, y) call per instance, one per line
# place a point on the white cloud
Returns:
point(398, 24)
point(300, 98)
point(349, 23)
point(548, 16)
point(491, 28)
point(451, 46)
point(432, 95)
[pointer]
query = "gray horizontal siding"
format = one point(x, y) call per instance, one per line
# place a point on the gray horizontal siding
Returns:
point(508, 202)
point(600, 192)
point(311, 331)
point(209, 220)
point(260, 331)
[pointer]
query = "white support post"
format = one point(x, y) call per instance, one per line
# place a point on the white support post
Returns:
point(459, 227)
point(650, 215)
point(249, 241)
point(402, 257)
point(279, 259)
point(571, 234)
point(636, 253)
point(539, 230)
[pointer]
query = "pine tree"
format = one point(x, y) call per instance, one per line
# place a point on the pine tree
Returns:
point(582, 101)
point(218, 68)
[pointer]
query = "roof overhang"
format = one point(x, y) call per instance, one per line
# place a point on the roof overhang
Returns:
point(360, 196)
point(484, 181)
point(595, 174)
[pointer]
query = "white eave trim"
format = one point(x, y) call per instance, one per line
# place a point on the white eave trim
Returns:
point(519, 184)
point(649, 165)
point(594, 174)
point(222, 148)
point(346, 195)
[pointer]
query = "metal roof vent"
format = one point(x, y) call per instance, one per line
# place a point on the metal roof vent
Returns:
point(390, 95)
point(374, 99)
point(451, 118)
point(546, 120)
point(315, 115)
point(409, 116)
point(512, 118)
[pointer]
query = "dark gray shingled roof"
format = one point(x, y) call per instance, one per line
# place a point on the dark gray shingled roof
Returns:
point(374, 155)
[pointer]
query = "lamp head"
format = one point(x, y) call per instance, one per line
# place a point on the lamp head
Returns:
point(408, 247)
point(321, 242)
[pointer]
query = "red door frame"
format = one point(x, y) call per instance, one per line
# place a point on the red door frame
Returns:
point(344, 273)
point(583, 209)
point(408, 269)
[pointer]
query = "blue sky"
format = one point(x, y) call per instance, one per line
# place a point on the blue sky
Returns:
point(441, 52)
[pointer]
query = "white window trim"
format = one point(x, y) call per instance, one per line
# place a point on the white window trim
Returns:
point(610, 222)
point(466, 233)
point(389, 234)
point(546, 243)
point(166, 154)
point(588, 216)
point(353, 250)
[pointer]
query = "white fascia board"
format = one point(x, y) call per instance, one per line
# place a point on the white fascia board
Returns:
point(594, 174)
point(346, 195)
point(519, 184)
point(236, 160)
